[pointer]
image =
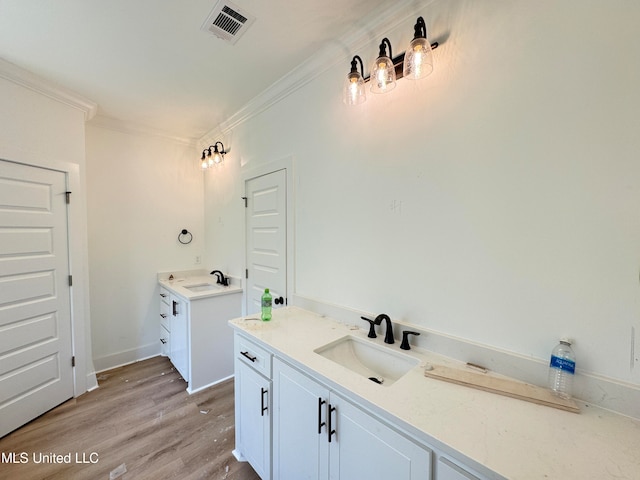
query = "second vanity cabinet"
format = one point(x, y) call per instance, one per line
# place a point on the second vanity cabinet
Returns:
point(195, 335)
point(319, 434)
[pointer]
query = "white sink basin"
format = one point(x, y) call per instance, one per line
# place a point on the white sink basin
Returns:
point(376, 362)
point(202, 287)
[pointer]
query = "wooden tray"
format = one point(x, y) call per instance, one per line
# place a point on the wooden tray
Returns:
point(501, 386)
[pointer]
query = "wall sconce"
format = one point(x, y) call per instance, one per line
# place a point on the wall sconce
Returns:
point(415, 63)
point(210, 159)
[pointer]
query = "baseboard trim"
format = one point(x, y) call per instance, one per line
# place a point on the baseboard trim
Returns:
point(199, 389)
point(126, 357)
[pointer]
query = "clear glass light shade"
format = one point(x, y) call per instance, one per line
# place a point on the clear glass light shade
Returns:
point(383, 75)
point(354, 92)
point(215, 159)
point(418, 60)
point(204, 164)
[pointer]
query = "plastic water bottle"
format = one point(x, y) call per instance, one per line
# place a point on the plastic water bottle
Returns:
point(266, 305)
point(562, 369)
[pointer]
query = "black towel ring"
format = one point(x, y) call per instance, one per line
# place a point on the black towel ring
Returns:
point(188, 236)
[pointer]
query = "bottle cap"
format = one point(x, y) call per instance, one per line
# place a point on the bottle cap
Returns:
point(266, 290)
point(566, 340)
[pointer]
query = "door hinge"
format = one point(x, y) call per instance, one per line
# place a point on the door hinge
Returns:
point(245, 201)
point(73, 361)
point(68, 194)
point(71, 280)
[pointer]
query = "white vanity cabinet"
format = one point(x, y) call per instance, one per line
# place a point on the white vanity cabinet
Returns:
point(253, 405)
point(195, 333)
point(319, 434)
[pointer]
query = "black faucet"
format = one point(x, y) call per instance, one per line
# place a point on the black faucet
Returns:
point(222, 280)
point(388, 337)
point(405, 339)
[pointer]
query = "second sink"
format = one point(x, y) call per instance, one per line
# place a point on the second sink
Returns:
point(202, 287)
point(376, 362)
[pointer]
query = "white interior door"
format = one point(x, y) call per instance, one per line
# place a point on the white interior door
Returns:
point(36, 373)
point(266, 227)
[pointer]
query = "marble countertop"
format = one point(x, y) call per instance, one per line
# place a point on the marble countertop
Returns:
point(512, 438)
point(179, 285)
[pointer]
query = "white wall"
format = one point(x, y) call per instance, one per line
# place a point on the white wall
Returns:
point(497, 200)
point(142, 191)
point(40, 126)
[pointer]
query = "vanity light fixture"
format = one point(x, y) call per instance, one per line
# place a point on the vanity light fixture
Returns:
point(415, 63)
point(354, 91)
point(210, 159)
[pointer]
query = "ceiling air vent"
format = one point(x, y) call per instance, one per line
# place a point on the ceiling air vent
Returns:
point(228, 21)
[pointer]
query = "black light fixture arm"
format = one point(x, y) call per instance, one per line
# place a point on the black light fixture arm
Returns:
point(215, 147)
point(420, 29)
point(383, 51)
point(354, 65)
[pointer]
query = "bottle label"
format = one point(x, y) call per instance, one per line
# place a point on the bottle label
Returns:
point(563, 364)
point(266, 302)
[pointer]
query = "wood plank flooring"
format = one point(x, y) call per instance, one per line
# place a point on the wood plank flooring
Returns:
point(141, 420)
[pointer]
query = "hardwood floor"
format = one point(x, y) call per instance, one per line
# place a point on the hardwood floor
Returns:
point(141, 420)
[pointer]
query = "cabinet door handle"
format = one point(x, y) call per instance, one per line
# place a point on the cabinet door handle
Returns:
point(163, 341)
point(175, 308)
point(246, 354)
point(262, 405)
point(163, 315)
point(330, 430)
point(163, 295)
point(320, 422)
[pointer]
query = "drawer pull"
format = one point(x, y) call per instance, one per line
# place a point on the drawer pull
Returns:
point(163, 315)
point(330, 430)
point(163, 295)
point(264, 408)
point(164, 342)
point(320, 422)
point(246, 354)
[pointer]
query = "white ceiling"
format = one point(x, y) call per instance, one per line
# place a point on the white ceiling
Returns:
point(148, 63)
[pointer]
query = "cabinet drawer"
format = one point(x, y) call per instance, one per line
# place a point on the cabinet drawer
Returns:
point(165, 340)
point(253, 355)
point(164, 296)
point(165, 314)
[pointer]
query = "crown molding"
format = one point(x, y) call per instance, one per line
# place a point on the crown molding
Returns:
point(382, 20)
point(31, 81)
point(131, 128)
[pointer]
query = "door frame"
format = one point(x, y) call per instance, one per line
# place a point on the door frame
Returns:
point(287, 164)
point(84, 377)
